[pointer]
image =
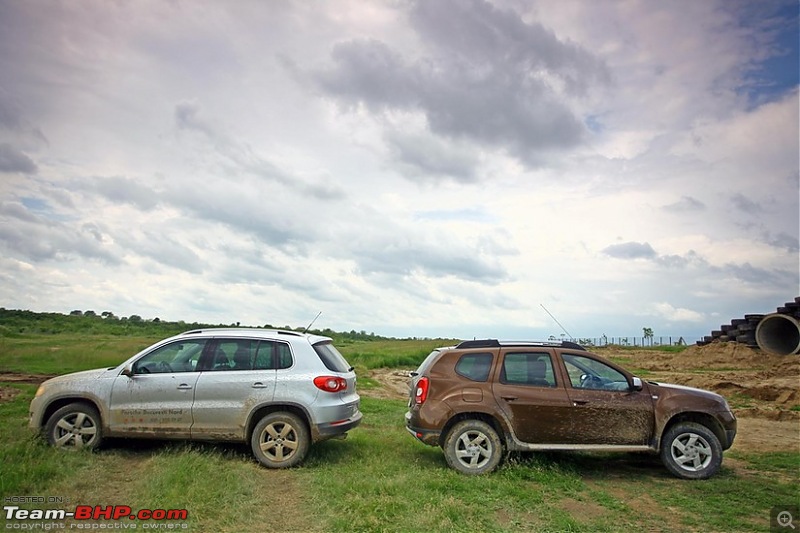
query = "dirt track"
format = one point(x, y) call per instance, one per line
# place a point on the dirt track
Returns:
point(761, 388)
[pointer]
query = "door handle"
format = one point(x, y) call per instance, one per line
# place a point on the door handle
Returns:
point(258, 385)
point(509, 398)
point(184, 386)
point(576, 403)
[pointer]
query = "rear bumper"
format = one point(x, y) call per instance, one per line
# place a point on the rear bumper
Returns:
point(427, 436)
point(334, 429)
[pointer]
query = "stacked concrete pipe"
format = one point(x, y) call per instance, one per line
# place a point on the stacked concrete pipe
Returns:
point(779, 334)
point(776, 333)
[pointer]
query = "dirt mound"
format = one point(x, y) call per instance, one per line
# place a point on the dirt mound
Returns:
point(394, 384)
point(717, 355)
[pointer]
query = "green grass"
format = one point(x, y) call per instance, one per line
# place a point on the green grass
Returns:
point(67, 352)
point(26, 462)
point(389, 353)
point(381, 479)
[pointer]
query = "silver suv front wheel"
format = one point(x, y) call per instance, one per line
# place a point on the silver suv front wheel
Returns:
point(74, 427)
point(473, 447)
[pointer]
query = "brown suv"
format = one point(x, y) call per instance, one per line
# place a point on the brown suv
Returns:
point(483, 397)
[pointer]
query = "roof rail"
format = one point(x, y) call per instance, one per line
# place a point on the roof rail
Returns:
point(572, 345)
point(494, 343)
point(484, 343)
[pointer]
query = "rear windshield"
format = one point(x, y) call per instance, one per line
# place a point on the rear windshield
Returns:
point(331, 358)
point(428, 361)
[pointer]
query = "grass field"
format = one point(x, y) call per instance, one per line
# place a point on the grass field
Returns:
point(379, 479)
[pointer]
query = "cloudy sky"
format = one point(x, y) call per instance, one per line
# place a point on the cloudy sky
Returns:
point(412, 168)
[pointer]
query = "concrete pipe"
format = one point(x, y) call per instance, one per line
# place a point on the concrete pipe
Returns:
point(779, 334)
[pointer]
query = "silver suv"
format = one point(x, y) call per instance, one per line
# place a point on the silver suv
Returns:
point(278, 390)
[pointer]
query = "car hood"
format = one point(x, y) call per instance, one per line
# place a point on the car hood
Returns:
point(690, 390)
point(85, 375)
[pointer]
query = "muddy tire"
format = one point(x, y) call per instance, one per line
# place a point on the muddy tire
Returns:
point(691, 451)
point(280, 440)
point(75, 426)
point(473, 447)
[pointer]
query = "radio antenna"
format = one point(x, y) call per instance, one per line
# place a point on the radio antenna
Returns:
point(557, 322)
point(308, 327)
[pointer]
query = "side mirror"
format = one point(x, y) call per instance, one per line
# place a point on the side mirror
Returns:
point(637, 384)
point(128, 371)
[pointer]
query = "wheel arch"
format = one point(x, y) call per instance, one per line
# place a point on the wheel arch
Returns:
point(703, 419)
point(58, 403)
point(262, 411)
point(473, 415)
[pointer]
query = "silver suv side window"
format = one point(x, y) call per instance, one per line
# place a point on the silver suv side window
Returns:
point(528, 369)
point(180, 356)
point(273, 355)
point(232, 354)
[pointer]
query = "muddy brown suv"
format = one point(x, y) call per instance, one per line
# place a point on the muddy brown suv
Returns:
point(481, 398)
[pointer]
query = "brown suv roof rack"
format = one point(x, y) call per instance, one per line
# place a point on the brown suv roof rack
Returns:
point(494, 343)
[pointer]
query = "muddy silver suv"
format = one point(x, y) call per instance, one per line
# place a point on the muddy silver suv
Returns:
point(481, 398)
point(278, 390)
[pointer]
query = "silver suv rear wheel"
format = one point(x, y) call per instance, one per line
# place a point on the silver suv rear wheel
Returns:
point(280, 440)
point(473, 447)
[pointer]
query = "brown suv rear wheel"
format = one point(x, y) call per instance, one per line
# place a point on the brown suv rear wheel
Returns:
point(473, 447)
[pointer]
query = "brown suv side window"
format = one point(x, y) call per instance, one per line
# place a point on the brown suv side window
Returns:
point(528, 369)
point(588, 373)
point(474, 366)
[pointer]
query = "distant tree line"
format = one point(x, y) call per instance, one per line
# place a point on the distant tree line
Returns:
point(16, 322)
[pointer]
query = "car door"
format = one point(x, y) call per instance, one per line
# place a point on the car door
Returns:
point(154, 395)
point(532, 397)
point(240, 375)
point(606, 409)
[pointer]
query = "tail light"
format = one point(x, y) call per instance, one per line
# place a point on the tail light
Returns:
point(421, 394)
point(330, 383)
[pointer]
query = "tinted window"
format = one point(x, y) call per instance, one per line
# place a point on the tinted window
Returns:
point(233, 354)
point(283, 356)
point(331, 358)
point(475, 366)
point(588, 373)
point(272, 355)
point(528, 369)
point(181, 356)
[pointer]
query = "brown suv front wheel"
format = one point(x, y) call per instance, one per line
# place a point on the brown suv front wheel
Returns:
point(691, 451)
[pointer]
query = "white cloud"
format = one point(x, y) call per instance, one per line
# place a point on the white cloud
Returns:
point(672, 314)
point(411, 168)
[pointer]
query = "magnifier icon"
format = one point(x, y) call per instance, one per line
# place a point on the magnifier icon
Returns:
point(785, 519)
